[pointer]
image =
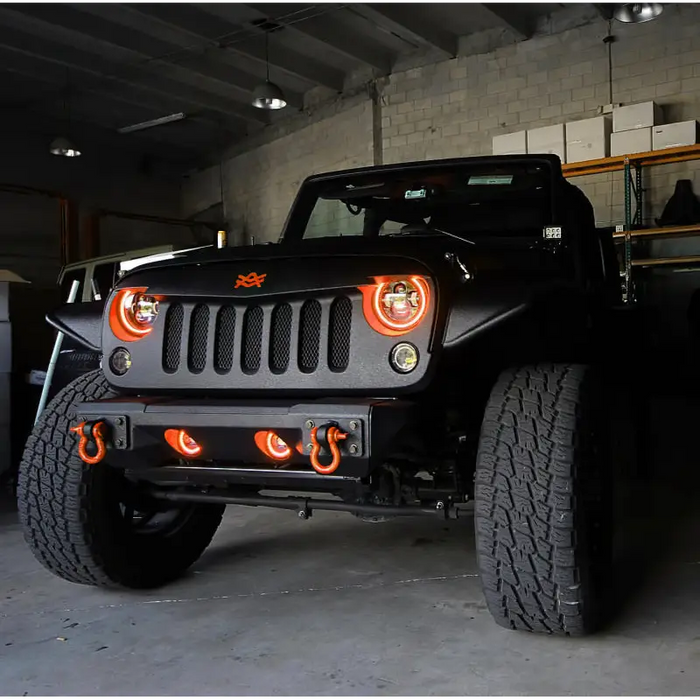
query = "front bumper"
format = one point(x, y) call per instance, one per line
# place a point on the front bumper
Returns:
point(225, 430)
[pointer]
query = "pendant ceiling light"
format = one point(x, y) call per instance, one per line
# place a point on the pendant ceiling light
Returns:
point(636, 13)
point(268, 95)
point(61, 145)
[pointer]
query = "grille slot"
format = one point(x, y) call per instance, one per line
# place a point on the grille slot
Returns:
point(225, 337)
point(173, 337)
point(309, 336)
point(252, 340)
point(280, 338)
point(339, 333)
point(199, 326)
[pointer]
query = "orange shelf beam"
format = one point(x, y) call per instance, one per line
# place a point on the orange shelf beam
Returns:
point(649, 234)
point(616, 163)
point(667, 262)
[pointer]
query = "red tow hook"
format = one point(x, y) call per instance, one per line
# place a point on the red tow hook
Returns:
point(330, 435)
point(93, 430)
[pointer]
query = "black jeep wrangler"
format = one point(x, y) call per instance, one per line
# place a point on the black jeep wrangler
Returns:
point(424, 336)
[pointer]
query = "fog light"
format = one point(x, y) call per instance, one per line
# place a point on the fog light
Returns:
point(183, 443)
point(272, 445)
point(120, 361)
point(404, 357)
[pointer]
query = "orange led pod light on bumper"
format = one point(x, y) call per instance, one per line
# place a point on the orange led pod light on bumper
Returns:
point(183, 443)
point(396, 305)
point(132, 313)
point(272, 445)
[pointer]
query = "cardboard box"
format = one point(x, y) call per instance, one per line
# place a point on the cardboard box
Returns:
point(639, 116)
point(5, 346)
point(6, 276)
point(623, 143)
point(588, 139)
point(547, 139)
point(510, 144)
point(674, 135)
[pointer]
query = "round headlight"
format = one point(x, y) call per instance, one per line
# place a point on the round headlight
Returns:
point(132, 314)
point(404, 357)
point(400, 305)
point(145, 308)
point(120, 361)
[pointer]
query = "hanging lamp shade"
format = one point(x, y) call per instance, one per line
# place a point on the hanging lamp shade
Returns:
point(269, 96)
point(61, 146)
point(636, 13)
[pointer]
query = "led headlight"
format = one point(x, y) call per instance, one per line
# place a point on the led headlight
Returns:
point(132, 314)
point(145, 309)
point(404, 357)
point(401, 305)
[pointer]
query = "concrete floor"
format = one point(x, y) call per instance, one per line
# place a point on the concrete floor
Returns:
point(337, 606)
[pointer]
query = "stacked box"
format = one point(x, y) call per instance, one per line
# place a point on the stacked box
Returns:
point(640, 116)
point(623, 143)
point(587, 139)
point(674, 135)
point(547, 139)
point(510, 144)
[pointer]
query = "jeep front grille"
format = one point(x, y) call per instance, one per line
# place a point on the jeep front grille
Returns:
point(309, 334)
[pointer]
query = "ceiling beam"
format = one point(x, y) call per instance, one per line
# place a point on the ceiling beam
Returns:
point(101, 72)
point(118, 54)
point(398, 19)
point(605, 10)
point(511, 18)
point(91, 136)
point(311, 22)
point(232, 38)
point(34, 89)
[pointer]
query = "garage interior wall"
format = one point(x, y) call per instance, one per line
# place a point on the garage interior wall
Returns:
point(454, 108)
point(101, 178)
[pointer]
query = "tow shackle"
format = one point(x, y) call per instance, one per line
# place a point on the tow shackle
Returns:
point(89, 431)
point(326, 437)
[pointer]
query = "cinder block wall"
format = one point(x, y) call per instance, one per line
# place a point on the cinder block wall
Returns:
point(455, 107)
point(260, 184)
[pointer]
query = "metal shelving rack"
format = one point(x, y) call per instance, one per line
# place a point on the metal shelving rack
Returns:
point(633, 165)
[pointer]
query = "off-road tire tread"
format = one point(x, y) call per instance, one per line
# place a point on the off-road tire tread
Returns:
point(539, 511)
point(57, 513)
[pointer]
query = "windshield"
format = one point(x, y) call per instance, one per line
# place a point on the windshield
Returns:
point(512, 199)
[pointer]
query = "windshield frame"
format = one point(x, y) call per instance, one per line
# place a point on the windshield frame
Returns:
point(303, 206)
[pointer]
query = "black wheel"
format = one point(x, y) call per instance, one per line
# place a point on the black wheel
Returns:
point(542, 511)
point(87, 524)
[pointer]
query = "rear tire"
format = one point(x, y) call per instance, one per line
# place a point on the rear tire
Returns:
point(74, 515)
point(543, 498)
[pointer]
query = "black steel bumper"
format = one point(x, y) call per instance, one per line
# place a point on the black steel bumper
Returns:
point(226, 431)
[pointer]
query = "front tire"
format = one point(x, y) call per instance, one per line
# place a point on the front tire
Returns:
point(542, 501)
point(80, 521)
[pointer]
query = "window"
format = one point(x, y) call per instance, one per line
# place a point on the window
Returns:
point(67, 281)
point(464, 199)
point(103, 280)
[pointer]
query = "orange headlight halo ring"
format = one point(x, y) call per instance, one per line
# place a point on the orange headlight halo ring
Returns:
point(121, 321)
point(376, 316)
